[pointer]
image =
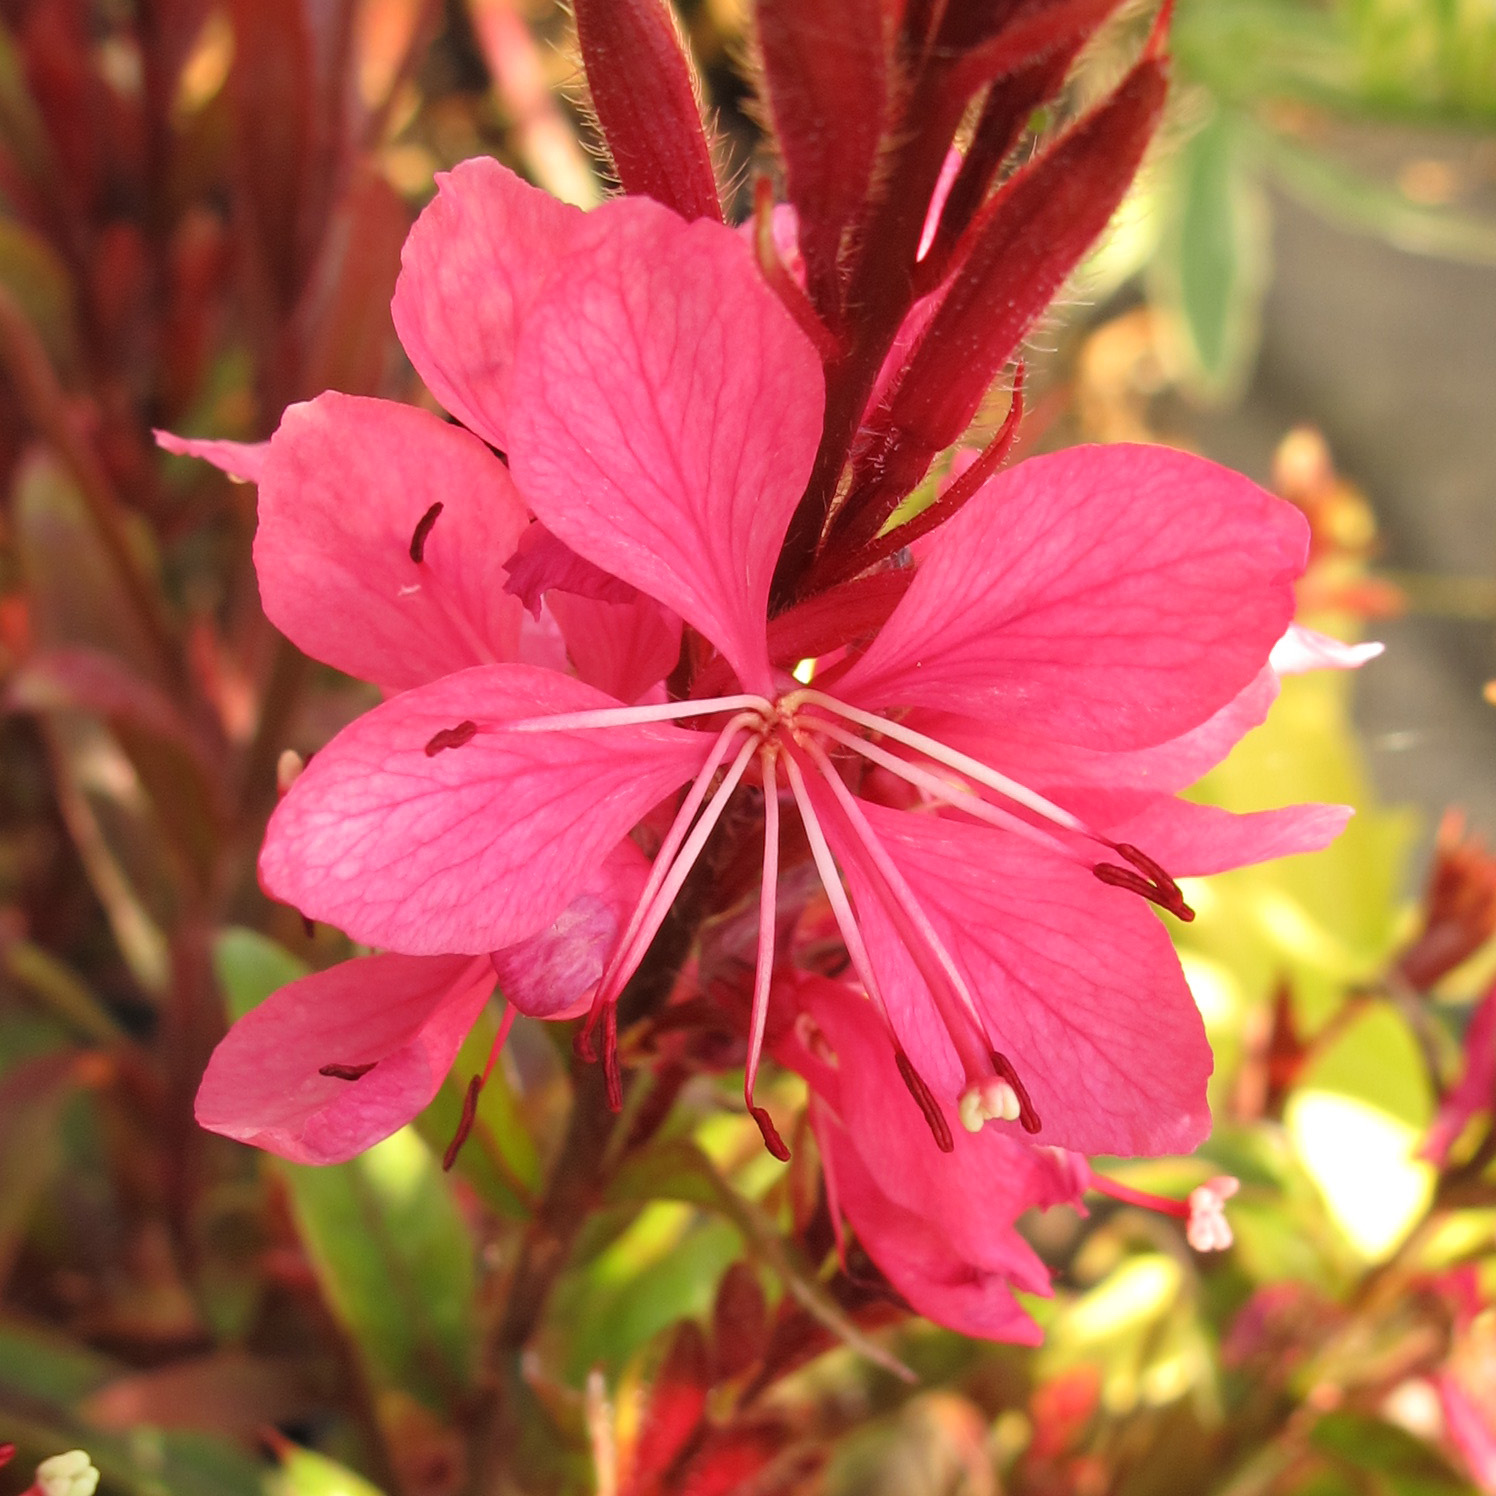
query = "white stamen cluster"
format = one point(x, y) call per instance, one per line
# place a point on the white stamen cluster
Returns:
point(70, 1474)
point(992, 1101)
point(1207, 1229)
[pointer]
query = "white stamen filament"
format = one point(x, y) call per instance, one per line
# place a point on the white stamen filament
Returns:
point(951, 757)
point(660, 868)
point(633, 716)
point(831, 882)
point(945, 980)
point(654, 917)
point(959, 797)
point(763, 971)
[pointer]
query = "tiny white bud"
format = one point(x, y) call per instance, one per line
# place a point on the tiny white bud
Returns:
point(70, 1474)
point(288, 769)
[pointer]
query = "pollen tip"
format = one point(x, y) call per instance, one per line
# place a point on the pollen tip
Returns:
point(772, 1141)
point(924, 1098)
point(612, 1074)
point(347, 1072)
point(422, 531)
point(464, 1122)
point(1025, 1114)
point(451, 737)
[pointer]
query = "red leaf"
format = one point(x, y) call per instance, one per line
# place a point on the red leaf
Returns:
point(826, 80)
point(290, 118)
point(740, 1321)
point(676, 1403)
point(730, 1461)
point(1025, 242)
point(349, 343)
point(273, 90)
point(640, 78)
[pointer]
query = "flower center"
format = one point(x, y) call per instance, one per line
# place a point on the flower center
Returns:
point(796, 735)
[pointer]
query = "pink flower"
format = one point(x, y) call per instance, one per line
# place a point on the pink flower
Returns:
point(332, 1063)
point(940, 1226)
point(1086, 636)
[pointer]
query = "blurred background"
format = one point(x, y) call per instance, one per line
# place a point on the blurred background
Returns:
point(201, 213)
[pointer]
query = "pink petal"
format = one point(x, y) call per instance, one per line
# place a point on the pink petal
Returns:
point(621, 648)
point(471, 264)
point(405, 1016)
point(467, 848)
point(1044, 764)
point(244, 461)
point(542, 564)
point(940, 1226)
point(1077, 981)
point(1193, 840)
point(1110, 597)
point(552, 974)
point(915, 1255)
point(1467, 1420)
point(345, 486)
point(1302, 649)
point(667, 413)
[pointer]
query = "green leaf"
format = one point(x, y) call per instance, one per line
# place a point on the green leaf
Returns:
point(679, 1170)
point(32, 1097)
point(303, 1472)
point(49, 1369)
point(1359, 202)
point(1397, 1463)
point(383, 1231)
point(39, 281)
point(77, 597)
point(396, 1264)
point(250, 966)
point(500, 1159)
point(1211, 270)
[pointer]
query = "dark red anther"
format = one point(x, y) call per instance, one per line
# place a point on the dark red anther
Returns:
point(611, 1073)
point(926, 1102)
point(1028, 1118)
point(772, 1141)
point(309, 927)
point(451, 737)
point(464, 1122)
point(1150, 881)
point(347, 1072)
point(581, 1043)
point(1153, 870)
point(422, 530)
